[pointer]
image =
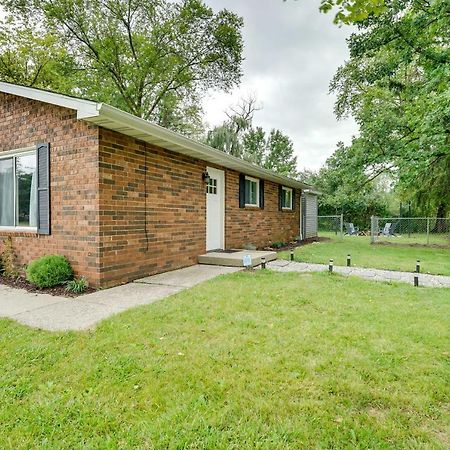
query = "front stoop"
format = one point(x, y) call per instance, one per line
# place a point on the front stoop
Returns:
point(235, 258)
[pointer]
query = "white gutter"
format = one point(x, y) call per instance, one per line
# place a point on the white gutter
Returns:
point(203, 151)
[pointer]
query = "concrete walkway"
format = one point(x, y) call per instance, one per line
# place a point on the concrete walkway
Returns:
point(368, 274)
point(62, 314)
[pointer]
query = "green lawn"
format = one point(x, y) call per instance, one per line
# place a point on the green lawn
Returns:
point(434, 260)
point(251, 360)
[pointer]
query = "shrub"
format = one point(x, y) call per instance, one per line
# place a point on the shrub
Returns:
point(278, 244)
point(49, 271)
point(77, 286)
point(8, 266)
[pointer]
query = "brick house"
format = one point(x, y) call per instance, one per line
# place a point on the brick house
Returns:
point(123, 198)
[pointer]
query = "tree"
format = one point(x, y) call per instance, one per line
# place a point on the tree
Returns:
point(33, 60)
point(237, 137)
point(346, 189)
point(254, 144)
point(152, 58)
point(397, 86)
point(229, 136)
point(280, 154)
point(352, 11)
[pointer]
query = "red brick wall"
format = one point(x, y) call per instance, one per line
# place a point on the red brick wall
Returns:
point(252, 225)
point(175, 204)
point(176, 211)
point(74, 180)
point(102, 219)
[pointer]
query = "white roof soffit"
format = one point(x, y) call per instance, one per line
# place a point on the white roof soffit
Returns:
point(84, 108)
point(114, 119)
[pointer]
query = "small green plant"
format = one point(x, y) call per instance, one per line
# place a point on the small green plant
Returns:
point(8, 266)
point(77, 285)
point(278, 244)
point(250, 246)
point(49, 271)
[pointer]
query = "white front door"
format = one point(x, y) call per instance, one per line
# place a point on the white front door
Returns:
point(215, 209)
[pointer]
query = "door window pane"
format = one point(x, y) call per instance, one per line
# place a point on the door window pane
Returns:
point(26, 190)
point(6, 192)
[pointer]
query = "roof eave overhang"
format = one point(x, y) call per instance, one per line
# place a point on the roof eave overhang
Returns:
point(84, 108)
point(128, 124)
point(114, 119)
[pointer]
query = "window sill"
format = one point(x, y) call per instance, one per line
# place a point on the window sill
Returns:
point(287, 209)
point(21, 230)
point(250, 206)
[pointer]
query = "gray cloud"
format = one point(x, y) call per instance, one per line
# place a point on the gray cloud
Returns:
point(291, 53)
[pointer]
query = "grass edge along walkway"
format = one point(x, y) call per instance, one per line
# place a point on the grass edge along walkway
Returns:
point(434, 260)
point(428, 280)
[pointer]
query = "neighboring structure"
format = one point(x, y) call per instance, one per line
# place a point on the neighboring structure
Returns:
point(122, 198)
point(309, 210)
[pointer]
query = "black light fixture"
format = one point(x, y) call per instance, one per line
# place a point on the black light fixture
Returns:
point(206, 177)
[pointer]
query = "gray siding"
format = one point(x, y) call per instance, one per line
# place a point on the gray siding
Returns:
point(310, 215)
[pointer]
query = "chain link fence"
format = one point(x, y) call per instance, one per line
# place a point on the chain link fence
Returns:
point(411, 230)
point(330, 226)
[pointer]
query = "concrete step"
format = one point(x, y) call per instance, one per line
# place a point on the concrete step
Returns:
point(235, 258)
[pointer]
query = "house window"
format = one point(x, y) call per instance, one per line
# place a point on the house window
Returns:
point(251, 191)
point(18, 191)
point(286, 198)
point(211, 188)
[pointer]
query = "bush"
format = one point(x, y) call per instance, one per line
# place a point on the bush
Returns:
point(49, 271)
point(77, 286)
point(8, 266)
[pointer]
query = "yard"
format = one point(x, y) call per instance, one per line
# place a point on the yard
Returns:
point(249, 360)
point(393, 255)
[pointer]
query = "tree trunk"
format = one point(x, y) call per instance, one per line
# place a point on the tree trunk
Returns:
point(441, 225)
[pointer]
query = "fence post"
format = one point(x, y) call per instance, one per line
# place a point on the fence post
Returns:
point(342, 226)
point(428, 230)
point(373, 230)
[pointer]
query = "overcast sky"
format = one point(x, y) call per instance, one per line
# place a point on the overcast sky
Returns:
point(291, 53)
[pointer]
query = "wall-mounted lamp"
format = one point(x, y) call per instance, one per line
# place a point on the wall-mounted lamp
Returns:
point(206, 177)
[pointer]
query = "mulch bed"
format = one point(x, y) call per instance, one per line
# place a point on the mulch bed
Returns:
point(22, 283)
point(298, 244)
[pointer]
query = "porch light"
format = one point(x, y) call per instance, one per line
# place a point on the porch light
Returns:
point(206, 177)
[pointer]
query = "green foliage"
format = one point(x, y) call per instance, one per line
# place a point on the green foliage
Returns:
point(49, 271)
point(154, 59)
point(278, 244)
point(397, 86)
point(352, 11)
point(279, 155)
point(77, 285)
point(8, 265)
point(346, 189)
point(238, 137)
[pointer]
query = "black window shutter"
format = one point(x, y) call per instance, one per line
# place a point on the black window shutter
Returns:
point(241, 191)
point(43, 188)
point(280, 197)
point(261, 194)
point(293, 198)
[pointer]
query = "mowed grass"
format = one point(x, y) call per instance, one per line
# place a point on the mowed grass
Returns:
point(435, 260)
point(251, 360)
